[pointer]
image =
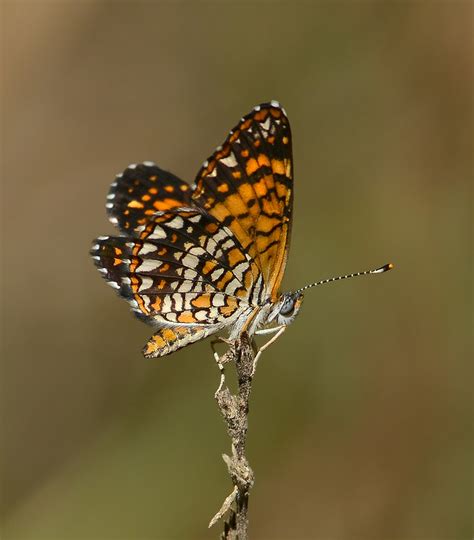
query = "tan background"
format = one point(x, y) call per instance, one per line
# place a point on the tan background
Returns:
point(360, 415)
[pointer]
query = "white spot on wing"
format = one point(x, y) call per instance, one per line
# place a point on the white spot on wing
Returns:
point(166, 304)
point(239, 269)
point(147, 247)
point(229, 161)
point(232, 286)
point(197, 251)
point(178, 301)
point(209, 244)
point(227, 244)
point(201, 315)
point(148, 266)
point(158, 233)
point(190, 261)
point(266, 124)
point(175, 223)
point(220, 235)
point(146, 283)
point(213, 313)
point(190, 274)
point(217, 274)
point(185, 286)
point(218, 300)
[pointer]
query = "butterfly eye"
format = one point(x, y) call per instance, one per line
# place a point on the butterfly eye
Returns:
point(287, 307)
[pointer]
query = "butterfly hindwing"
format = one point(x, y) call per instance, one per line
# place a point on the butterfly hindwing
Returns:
point(140, 191)
point(176, 271)
point(247, 185)
point(196, 240)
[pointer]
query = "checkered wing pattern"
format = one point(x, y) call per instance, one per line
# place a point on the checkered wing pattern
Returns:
point(192, 262)
point(142, 190)
point(247, 185)
point(184, 269)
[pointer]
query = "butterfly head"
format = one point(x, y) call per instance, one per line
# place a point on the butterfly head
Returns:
point(286, 308)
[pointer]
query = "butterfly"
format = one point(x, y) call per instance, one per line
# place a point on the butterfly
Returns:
point(195, 260)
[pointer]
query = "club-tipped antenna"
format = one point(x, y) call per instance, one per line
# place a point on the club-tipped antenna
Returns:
point(381, 270)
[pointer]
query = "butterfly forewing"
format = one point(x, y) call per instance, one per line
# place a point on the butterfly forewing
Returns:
point(247, 185)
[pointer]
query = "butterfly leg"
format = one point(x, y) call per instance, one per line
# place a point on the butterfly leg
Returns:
point(279, 331)
point(217, 358)
point(220, 361)
point(268, 330)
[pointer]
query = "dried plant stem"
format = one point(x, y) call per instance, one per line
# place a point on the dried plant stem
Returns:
point(234, 409)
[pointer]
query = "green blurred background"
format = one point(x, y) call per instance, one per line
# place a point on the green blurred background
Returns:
point(360, 415)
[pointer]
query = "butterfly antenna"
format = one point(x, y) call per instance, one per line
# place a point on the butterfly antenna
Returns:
point(381, 270)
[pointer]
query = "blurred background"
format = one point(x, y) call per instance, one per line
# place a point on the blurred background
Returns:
point(360, 415)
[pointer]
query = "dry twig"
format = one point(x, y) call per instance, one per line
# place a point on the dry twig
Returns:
point(234, 409)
